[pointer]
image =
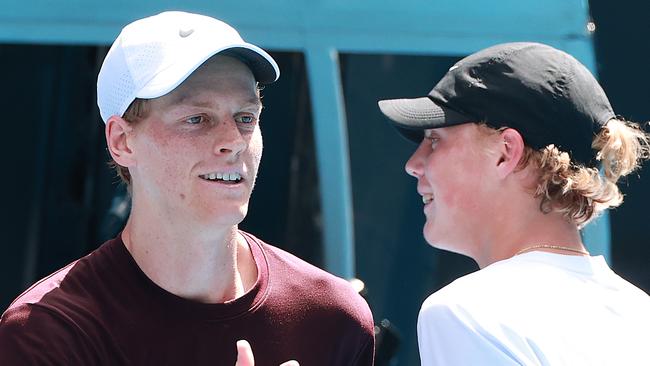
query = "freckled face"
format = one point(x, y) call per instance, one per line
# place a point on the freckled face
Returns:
point(198, 151)
point(452, 169)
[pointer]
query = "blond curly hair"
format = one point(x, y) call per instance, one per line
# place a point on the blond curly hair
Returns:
point(581, 193)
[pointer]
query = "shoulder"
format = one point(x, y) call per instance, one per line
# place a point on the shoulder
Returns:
point(470, 320)
point(309, 301)
point(473, 286)
point(301, 273)
point(498, 293)
point(500, 281)
point(46, 292)
point(25, 318)
point(313, 287)
point(69, 286)
point(56, 313)
point(28, 330)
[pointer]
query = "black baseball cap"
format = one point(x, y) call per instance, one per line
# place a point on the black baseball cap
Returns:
point(542, 92)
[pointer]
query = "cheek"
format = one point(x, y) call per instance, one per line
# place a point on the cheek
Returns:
point(256, 147)
point(163, 156)
point(153, 143)
point(458, 184)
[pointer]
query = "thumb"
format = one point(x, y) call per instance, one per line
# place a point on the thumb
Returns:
point(244, 354)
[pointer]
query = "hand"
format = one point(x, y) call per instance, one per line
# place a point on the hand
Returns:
point(245, 356)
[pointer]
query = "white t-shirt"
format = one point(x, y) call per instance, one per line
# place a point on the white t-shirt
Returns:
point(537, 308)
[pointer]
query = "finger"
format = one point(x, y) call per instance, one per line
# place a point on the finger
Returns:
point(291, 363)
point(244, 354)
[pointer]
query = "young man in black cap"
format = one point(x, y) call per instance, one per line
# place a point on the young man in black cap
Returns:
point(511, 142)
point(181, 284)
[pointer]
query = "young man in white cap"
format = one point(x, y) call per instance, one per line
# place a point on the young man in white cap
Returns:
point(181, 284)
point(510, 144)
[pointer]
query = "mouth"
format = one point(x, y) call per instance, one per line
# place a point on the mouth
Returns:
point(223, 177)
point(427, 198)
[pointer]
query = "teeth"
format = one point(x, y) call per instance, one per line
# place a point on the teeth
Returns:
point(231, 176)
point(426, 199)
point(222, 176)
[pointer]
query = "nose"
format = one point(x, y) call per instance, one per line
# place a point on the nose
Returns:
point(229, 139)
point(415, 165)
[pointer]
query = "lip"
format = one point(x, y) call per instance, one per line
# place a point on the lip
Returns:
point(422, 190)
point(228, 188)
point(427, 201)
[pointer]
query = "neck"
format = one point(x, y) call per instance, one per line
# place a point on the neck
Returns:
point(543, 232)
point(210, 265)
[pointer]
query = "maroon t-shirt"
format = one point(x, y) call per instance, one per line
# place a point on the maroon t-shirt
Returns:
point(103, 310)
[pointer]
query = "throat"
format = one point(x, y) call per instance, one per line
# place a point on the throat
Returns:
point(207, 270)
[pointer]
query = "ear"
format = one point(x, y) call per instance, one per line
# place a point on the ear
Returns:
point(511, 150)
point(117, 139)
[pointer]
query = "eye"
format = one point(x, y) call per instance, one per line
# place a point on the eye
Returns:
point(245, 119)
point(433, 140)
point(195, 120)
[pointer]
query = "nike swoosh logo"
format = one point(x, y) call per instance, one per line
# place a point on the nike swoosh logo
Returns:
point(185, 32)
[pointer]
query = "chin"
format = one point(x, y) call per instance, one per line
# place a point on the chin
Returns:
point(430, 235)
point(224, 215)
point(440, 241)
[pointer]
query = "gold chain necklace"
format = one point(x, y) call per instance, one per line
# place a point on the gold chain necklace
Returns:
point(557, 247)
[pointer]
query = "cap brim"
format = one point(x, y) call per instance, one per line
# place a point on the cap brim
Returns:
point(264, 68)
point(412, 116)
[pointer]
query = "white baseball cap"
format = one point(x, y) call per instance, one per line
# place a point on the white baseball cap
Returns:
point(153, 55)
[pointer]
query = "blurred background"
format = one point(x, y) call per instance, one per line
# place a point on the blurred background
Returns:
point(331, 187)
